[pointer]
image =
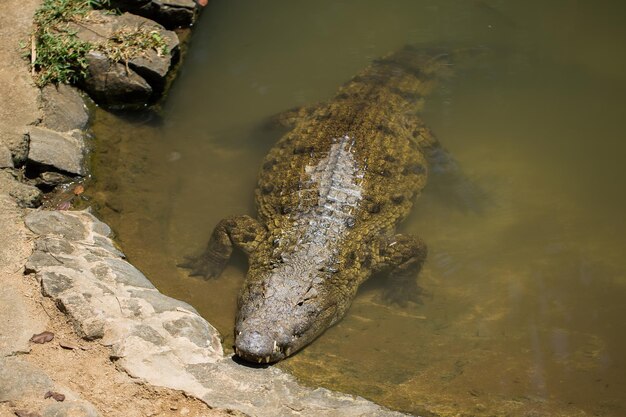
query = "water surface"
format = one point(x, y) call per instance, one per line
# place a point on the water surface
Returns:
point(524, 309)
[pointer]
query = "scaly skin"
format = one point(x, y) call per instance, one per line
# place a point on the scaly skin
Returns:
point(330, 195)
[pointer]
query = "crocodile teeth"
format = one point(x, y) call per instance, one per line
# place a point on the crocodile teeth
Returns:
point(267, 359)
point(260, 360)
point(287, 351)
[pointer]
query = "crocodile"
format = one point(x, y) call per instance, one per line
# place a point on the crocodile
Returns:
point(330, 194)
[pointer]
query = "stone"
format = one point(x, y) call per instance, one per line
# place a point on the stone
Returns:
point(16, 325)
point(6, 159)
point(63, 108)
point(24, 194)
point(169, 13)
point(18, 146)
point(52, 179)
point(192, 327)
point(62, 151)
point(114, 85)
point(54, 245)
point(19, 379)
point(161, 303)
point(148, 334)
point(56, 223)
point(54, 283)
point(70, 409)
point(150, 65)
point(117, 84)
point(88, 322)
point(126, 274)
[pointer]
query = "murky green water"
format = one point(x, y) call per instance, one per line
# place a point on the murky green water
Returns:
point(525, 312)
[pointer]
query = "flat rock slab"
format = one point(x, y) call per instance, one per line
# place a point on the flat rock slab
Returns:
point(156, 338)
point(63, 151)
point(21, 381)
point(16, 326)
point(63, 108)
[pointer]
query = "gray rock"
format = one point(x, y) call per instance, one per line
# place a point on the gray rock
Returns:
point(39, 260)
point(52, 179)
point(88, 323)
point(54, 245)
point(63, 108)
point(6, 159)
point(56, 223)
point(62, 151)
point(169, 13)
point(192, 327)
point(127, 274)
point(107, 244)
point(151, 66)
point(19, 379)
point(159, 302)
point(24, 194)
point(16, 325)
point(54, 283)
point(112, 84)
point(101, 228)
point(18, 146)
point(148, 334)
point(117, 84)
point(70, 409)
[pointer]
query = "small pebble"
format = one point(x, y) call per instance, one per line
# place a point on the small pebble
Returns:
point(56, 395)
point(43, 337)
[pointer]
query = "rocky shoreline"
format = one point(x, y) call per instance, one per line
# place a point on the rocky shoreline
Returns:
point(70, 259)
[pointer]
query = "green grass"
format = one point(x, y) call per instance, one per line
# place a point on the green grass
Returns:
point(60, 57)
point(128, 43)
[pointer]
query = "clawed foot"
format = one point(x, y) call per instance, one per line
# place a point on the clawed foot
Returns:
point(201, 266)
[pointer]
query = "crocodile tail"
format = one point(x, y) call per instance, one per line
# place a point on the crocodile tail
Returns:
point(425, 62)
point(412, 72)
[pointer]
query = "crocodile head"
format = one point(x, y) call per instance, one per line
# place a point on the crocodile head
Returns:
point(283, 310)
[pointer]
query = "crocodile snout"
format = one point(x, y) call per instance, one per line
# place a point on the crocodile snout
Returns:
point(255, 346)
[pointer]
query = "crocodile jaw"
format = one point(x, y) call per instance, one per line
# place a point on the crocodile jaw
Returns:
point(258, 342)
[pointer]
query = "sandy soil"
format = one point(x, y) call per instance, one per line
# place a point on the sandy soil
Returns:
point(86, 369)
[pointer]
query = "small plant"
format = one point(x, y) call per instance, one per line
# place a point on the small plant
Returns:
point(59, 56)
point(54, 12)
point(127, 43)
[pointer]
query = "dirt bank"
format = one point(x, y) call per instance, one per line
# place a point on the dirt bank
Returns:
point(85, 372)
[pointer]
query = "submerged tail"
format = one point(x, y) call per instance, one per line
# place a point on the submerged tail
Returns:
point(410, 74)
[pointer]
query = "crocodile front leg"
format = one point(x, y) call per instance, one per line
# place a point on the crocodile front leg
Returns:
point(402, 257)
point(243, 232)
